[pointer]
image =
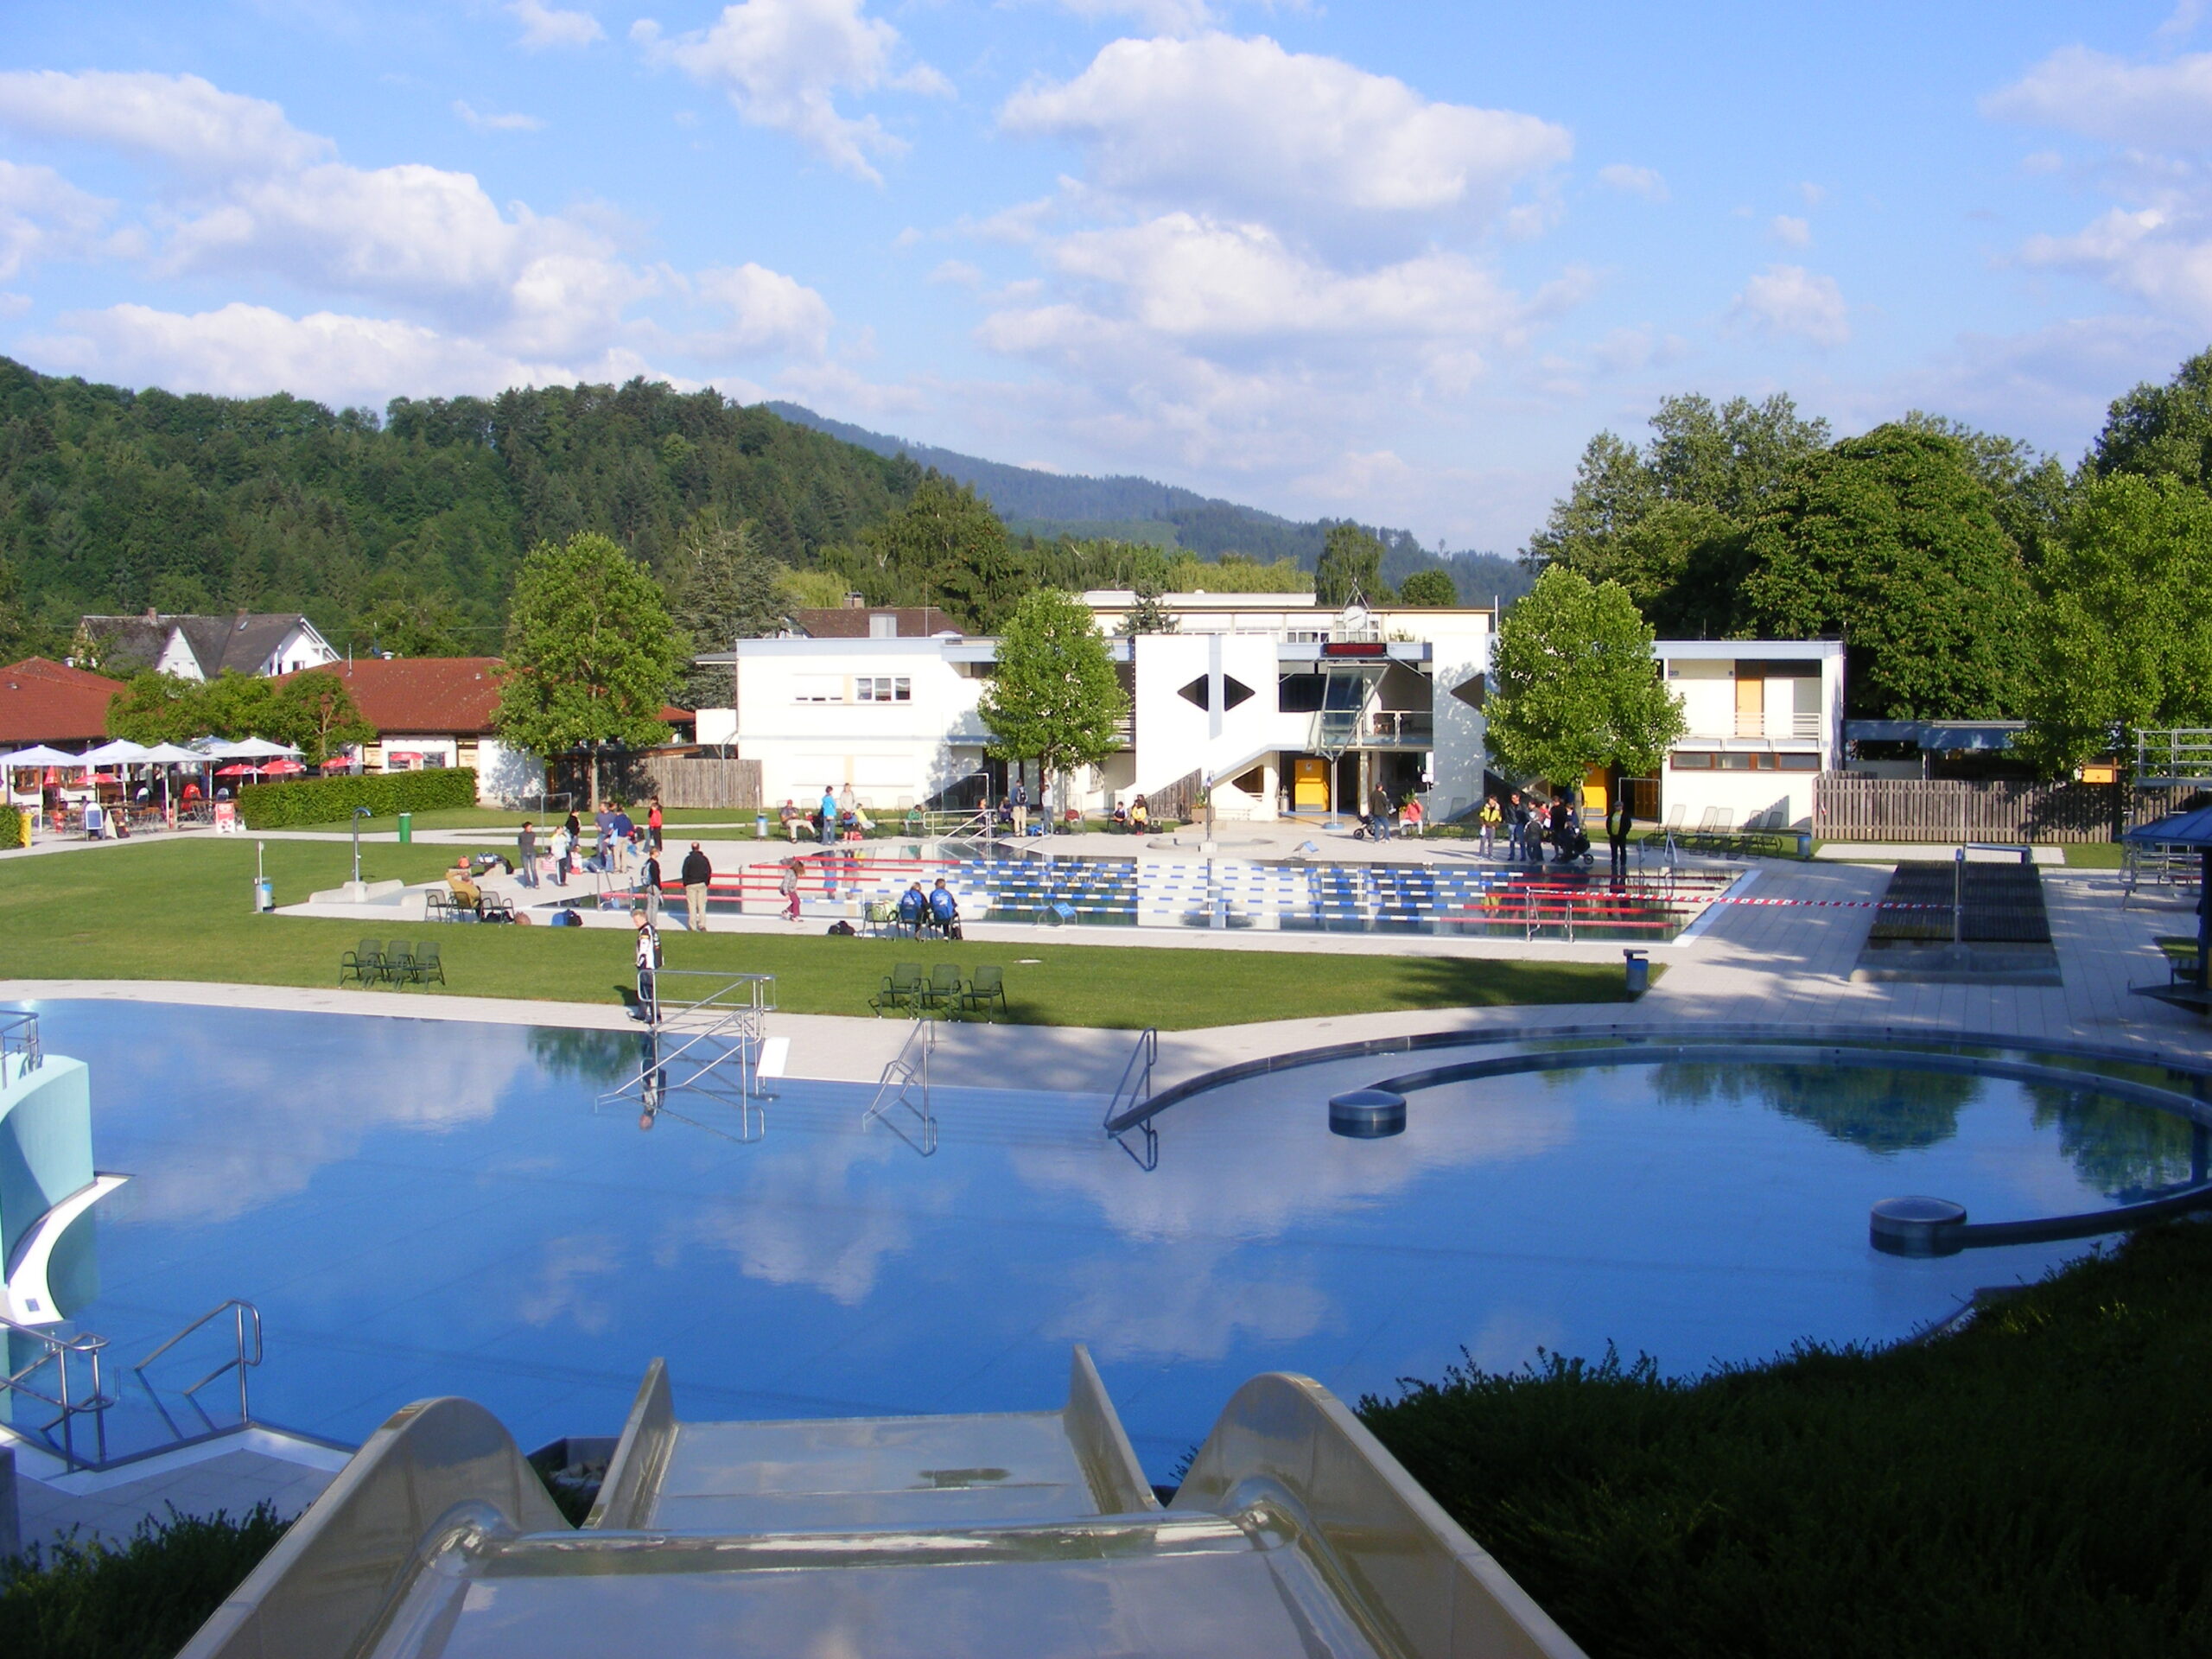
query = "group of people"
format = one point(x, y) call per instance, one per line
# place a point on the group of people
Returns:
point(836, 817)
point(1531, 824)
point(618, 840)
point(919, 911)
point(1135, 818)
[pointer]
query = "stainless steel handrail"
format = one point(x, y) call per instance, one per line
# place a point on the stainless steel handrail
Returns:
point(19, 1036)
point(896, 1088)
point(1136, 1085)
point(242, 1312)
point(56, 1351)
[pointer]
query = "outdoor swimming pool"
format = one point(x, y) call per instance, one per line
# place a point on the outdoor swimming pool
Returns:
point(420, 1207)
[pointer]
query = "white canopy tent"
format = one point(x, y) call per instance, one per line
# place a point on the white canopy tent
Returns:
point(39, 754)
point(251, 748)
point(171, 754)
point(121, 751)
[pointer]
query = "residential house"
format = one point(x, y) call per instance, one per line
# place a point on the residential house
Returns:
point(201, 647)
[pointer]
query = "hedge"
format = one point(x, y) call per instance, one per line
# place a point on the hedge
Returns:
point(330, 800)
point(13, 825)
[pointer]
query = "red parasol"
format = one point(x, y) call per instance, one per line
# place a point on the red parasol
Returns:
point(237, 769)
point(284, 767)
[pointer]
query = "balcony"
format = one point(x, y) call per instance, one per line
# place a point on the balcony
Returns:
point(1805, 728)
point(1337, 730)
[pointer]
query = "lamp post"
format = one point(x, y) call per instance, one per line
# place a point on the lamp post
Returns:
point(360, 812)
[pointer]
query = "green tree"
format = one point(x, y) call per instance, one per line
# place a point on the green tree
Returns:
point(415, 624)
point(1431, 589)
point(1147, 614)
point(591, 654)
point(945, 547)
point(2161, 431)
point(726, 590)
point(1573, 685)
point(1350, 567)
point(235, 705)
point(155, 708)
point(2123, 631)
point(1892, 540)
point(315, 713)
point(1054, 697)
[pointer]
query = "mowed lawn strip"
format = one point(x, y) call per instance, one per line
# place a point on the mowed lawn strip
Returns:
point(183, 910)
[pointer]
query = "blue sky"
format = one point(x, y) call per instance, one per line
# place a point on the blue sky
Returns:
point(1385, 260)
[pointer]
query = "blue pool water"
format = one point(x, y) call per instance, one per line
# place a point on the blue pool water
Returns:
point(420, 1207)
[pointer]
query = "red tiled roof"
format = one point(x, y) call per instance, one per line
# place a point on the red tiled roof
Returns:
point(43, 702)
point(422, 696)
point(426, 696)
point(853, 622)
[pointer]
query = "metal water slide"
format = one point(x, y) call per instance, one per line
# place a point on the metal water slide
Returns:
point(1025, 1534)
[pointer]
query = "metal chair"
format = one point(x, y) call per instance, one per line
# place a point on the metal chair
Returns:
point(364, 962)
point(902, 990)
point(399, 963)
point(986, 991)
point(945, 987)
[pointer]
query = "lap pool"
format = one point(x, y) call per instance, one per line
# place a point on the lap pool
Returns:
point(420, 1207)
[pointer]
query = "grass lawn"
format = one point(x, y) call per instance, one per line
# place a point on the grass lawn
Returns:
point(2092, 854)
point(183, 910)
point(501, 817)
point(2038, 1484)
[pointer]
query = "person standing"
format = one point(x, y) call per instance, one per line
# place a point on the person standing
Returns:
point(622, 828)
point(526, 855)
point(649, 877)
point(789, 888)
point(1491, 817)
point(829, 810)
point(564, 849)
point(648, 960)
point(1378, 810)
point(697, 872)
point(1516, 817)
point(653, 823)
point(1620, 819)
point(1017, 799)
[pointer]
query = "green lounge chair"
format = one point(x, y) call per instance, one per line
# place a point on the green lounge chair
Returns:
point(902, 990)
point(364, 962)
point(945, 988)
point(399, 963)
point(427, 965)
point(986, 991)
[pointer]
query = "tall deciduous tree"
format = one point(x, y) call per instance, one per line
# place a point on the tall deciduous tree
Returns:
point(1573, 685)
point(318, 716)
point(591, 653)
point(726, 589)
point(1054, 698)
point(2123, 633)
point(1431, 589)
point(2161, 431)
point(1350, 567)
point(1892, 540)
point(945, 547)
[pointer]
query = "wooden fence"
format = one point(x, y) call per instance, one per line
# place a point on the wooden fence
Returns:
point(681, 782)
point(1848, 808)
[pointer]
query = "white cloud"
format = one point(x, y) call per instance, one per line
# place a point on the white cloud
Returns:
point(1160, 17)
point(247, 351)
point(768, 312)
point(1246, 129)
point(1788, 300)
point(484, 122)
point(1813, 195)
point(1791, 232)
point(181, 119)
point(1634, 180)
point(43, 215)
point(2182, 20)
point(544, 26)
point(782, 63)
point(2080, 90)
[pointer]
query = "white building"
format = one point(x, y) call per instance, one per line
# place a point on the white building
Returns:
point(201, 647)
point(1278, 704)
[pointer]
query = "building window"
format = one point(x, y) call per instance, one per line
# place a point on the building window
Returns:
point(1798, 762)
point(1742, 760)
point(817, 687)
point(884, 688)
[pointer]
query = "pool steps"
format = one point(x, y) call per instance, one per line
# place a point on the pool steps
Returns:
point(1030, 1533)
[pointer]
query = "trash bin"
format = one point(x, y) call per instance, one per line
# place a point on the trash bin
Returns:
point(761, 826)
point(1804, 843)
point(265, 897)
point(1639, 971)
point(406, 827)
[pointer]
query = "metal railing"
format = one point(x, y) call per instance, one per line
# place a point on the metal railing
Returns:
point(2174, 755)
point(1131, 1092)
point(19, 1038)
point(246, 1318)
point(717, 1035)
point(908, 1072)
point(68, 1401)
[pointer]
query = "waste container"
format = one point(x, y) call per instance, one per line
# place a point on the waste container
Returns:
point(1639, 971)
point(265, 897)
point(406, 827)
point(1804, 843)
point(761, 826)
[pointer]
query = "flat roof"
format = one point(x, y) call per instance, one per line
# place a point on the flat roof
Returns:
point(1730, 650)
point(1112, 599)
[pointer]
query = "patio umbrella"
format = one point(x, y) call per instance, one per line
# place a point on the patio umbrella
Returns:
point(282, 768)
point(2192, 831)
point(171, 754)
point(253, 748)
point(238, 769)
point(39, 754)
point(121, 751)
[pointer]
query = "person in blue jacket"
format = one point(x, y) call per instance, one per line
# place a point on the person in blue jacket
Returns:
point(944, 909)
point(913, 909)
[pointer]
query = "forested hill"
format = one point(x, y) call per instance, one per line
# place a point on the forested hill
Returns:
point(115, 500)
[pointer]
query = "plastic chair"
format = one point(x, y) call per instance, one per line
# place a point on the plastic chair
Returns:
point(945, 987)
point(985, 991)
point(902, 989)
point(364, 962)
